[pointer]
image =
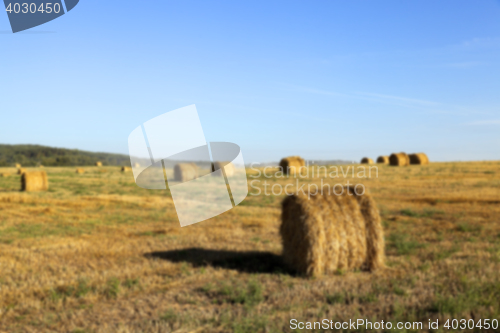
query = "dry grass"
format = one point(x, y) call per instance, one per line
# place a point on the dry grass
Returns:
point(98, 254)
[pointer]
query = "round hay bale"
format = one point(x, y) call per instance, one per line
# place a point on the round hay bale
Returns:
point(292, 164)
point(399, 159)
point(323, 233)
point(20, 171)
point(98, 164)
point(5, 174)
point(17, 166)
point(227, 166)
point(137, 165)
point(419, 159)
point(366, 160)
point(126, 169)
point(34, 181)
point(383, 159)
point(184, 172)
point(80, 171)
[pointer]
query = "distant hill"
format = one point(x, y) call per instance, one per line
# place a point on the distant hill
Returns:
point(33, 155)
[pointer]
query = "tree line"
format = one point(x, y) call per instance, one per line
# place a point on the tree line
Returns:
point(34, 155)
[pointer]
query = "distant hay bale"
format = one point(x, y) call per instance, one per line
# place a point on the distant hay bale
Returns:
point(383, 160)
point(330, 232)
point(399, 159)
point(80, 171)
point(5, 174)
point(184, 172)
point(292, 164)
point(229, 168)
point(366, 160)
point(20, 171)
point(137, 165)
point(34, 181)
point(419, 159)
point(18, 166)
point(98, 164)
point(126, 169)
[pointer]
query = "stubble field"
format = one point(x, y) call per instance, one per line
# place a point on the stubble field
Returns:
point(96, 253)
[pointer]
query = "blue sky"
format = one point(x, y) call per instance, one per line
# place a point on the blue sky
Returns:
point(322, 79)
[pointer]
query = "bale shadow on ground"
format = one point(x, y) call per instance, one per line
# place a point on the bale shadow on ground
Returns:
point(248, 262)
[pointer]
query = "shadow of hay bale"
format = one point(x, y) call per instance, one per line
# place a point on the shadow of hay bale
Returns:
point(248, 262)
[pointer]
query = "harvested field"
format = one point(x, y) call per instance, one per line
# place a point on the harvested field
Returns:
point(96, 253)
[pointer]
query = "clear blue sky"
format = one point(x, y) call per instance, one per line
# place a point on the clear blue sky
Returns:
point(323, 79)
